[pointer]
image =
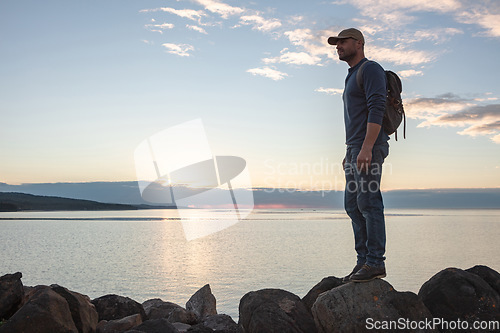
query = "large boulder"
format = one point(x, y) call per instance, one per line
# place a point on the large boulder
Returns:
point(489, 276)
point(202, 303)
point(358, 307)
point(111, 307)
point(11, 294)
point(82, 310)
point(119, 325)
point(325, 284)
point(221, 323)
point(274, 310)
point(156, 309)
point(155, 326)
point(454, 294)
point(45, 312)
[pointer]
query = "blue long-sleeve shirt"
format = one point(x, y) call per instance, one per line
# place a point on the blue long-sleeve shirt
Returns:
point(365, 107)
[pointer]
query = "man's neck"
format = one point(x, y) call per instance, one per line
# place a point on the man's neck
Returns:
point(354, 61)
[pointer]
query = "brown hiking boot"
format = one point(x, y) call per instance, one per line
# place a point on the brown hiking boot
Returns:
point(356, 268)
point(368, 273)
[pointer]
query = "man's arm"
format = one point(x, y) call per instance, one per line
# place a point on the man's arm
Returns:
point(365, 155)
point(375, 90)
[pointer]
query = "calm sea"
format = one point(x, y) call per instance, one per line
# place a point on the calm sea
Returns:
point(144, 254)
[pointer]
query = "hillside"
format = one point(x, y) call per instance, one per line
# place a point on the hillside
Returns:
point(13, 202)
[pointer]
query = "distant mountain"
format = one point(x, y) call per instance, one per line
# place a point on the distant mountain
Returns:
point(13, 202)
point(128, 193)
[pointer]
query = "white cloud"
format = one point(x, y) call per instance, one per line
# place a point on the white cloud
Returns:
point(496, 138)
point(395, 13)
point(179, 49)
point(159, 27)
point(486, 20)
point(294, 58)
point(330, 91)
point(196, 28)
point(260, 23)
point(268, 72)
point(185, 13)
point(399, 56)
point(409, 73)
point(224, 10)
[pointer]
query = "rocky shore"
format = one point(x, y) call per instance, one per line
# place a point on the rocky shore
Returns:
point(453, 296)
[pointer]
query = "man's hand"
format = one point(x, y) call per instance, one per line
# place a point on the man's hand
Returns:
point(364, 159)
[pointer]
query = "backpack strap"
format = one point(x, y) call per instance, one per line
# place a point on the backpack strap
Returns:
point(359, 75)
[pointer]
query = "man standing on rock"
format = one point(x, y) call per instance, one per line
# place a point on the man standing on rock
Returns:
point(367, 148)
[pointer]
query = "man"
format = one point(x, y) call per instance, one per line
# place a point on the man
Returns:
point(367, 148)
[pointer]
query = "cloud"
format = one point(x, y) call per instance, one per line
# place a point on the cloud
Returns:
point(452, 111)
point(260, 23)
point(268, 72)
point(330, 91)
point(399, 55)
point(393, 14)
point(294, 58)
point(430, 108)
point(196, 28)
point(410, 72)
point(224, 10)
point(159, 27)
point(179, 49)
point(185, 13)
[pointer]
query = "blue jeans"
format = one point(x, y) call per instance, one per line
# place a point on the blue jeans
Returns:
point(363, 203)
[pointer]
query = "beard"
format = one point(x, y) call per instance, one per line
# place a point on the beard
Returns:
point(347, 55)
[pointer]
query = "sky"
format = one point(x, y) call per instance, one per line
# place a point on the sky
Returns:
point(83, 83)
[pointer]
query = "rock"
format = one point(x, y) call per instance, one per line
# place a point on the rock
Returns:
point(354, 307)
point(455, 294)
point(326, 284)
point(111, 307)
point(156, 326)
point(274, 310)
point(181, 327)
point(119, 325)
point(202, 303)
point(11, 294)
point(221, 323)
point(489, 276)
point(45, 312)
point(82, 310)
point(156, 309)
point(200, 328)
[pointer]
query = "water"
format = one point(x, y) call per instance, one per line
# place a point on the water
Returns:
point(144, 255)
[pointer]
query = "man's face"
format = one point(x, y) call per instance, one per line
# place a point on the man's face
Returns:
point(347, 49)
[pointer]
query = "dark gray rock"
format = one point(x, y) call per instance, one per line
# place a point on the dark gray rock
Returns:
point(82, 310)
point(112, 307)
point(200, 328)
point(489, 276)
point(119, 325)
point(11, 294)
point(181, 327)
point(156, 309)
point(455, 294)
point(274, 310)
point(202, 303)
point(221, 323)
point(156, 326)
point(45, 312)
point(353, 306)
point(325, 284)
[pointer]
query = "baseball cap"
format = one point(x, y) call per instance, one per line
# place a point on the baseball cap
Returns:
point(347, 33)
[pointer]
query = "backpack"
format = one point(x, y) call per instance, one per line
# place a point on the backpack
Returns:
point(394, 112)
